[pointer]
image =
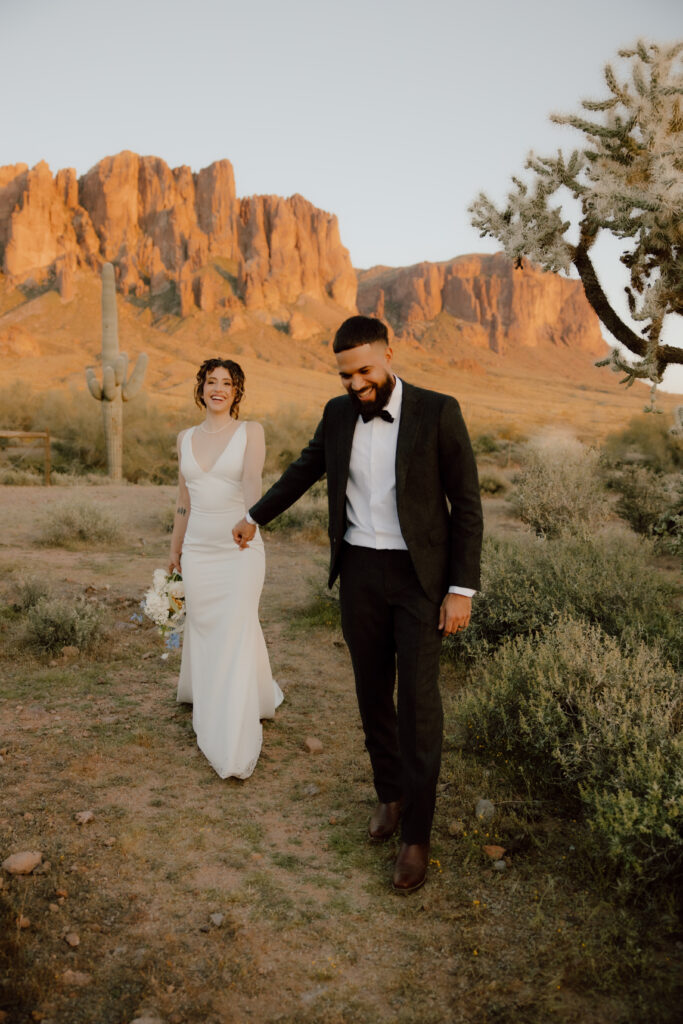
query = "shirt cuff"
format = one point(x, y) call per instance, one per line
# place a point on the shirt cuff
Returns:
point(250, 520)
point(464, 591)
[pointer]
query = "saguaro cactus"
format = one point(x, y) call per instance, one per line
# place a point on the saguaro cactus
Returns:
point(115, 389)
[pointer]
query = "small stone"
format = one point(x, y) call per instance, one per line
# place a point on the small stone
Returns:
point(69, 651)
point(23, 922)
point(484, 810)
point(22, 863)
point(28, 816)
point(499, 865)
point(54, 908)
point(109, 841)
point(147, 655)
point(61, 892)
point(72, 939)
point(83, 817)
point(52, 664)
point(333, 819)
point(313, 745)
point(311, 789)
point(494, 852)
point(456, 827)
point(217, 919)
point(79, 978)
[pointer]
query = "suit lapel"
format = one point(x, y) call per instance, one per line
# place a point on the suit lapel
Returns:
point(344, 440)
point(411, 416)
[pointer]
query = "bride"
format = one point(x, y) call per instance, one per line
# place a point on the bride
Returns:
point(225, 672)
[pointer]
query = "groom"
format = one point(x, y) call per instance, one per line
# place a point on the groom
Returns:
point(405, 527)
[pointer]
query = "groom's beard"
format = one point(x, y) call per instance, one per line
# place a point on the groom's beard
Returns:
point(383, 391)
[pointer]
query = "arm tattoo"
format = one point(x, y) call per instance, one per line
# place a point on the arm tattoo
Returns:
point(181, 511)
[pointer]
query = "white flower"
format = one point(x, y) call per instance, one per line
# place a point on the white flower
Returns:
point(164, 602)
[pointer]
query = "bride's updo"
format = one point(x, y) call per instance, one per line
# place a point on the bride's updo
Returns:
point(236, 376)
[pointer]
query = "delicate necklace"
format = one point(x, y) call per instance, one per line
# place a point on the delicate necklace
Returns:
point(202, 427)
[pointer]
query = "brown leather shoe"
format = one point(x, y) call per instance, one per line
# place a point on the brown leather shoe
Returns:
point(384, 821)
point(411, 867)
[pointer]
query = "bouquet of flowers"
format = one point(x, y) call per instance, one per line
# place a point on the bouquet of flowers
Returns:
point(164, 604)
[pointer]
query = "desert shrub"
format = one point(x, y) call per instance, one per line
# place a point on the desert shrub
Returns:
point(77, 523)
point(529, 583)
point(75, 424)
point(559, 489)
point(645, 440)
point(578, 717)
point(485, 444)
point(30, 591)
point(14, 476)
point(167, 518)
point(287, 432)
point(492, 483)
point(668, 530)
point(53, 623)
point(308, 515)
point(644, 497)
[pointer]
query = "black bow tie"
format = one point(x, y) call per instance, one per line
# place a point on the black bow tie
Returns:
point(382, 415)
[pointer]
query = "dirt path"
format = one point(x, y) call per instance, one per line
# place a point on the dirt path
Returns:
point(310, 931)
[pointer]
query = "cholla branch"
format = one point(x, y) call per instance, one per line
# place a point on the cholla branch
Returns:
point(628, 180)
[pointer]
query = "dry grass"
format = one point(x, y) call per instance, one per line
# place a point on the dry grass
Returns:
point(311, 933)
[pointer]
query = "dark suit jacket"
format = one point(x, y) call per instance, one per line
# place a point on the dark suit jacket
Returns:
point(437, 490)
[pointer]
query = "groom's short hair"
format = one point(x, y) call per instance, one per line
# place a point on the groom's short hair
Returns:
point(360, 330)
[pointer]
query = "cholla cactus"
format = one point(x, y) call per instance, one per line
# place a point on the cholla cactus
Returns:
point(115, 389)
point(677, 429)
point(627, 180)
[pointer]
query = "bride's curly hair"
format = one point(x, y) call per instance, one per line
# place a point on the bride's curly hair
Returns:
point(236, 375)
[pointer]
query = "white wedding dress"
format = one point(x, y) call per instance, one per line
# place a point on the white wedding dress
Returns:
point(225, 672)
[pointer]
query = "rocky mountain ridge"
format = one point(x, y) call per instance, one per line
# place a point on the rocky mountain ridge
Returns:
point(169, 231)
point(183, 242)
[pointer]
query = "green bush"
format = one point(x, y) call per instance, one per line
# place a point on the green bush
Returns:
point(492, 483)
point(528, 583)
point(646, 440)
point(485, 444)
point(30, 592)
point(77, 523)
point(308, 515)
point(581, 719)
point(559, 489)
point(668, 530)
point(54, 623)
point(644, 497)
point(287, 433)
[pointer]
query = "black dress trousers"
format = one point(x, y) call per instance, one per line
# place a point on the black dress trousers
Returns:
point(391, 629)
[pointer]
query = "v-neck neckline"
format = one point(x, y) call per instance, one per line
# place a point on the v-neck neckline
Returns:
point(222, 453)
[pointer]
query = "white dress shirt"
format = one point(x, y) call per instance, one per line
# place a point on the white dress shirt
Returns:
point(371, 511)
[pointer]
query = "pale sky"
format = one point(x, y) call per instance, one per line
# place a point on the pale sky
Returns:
point(391, 114)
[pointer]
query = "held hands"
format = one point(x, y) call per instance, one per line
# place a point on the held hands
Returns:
point(242, 533)
point(454, 613)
